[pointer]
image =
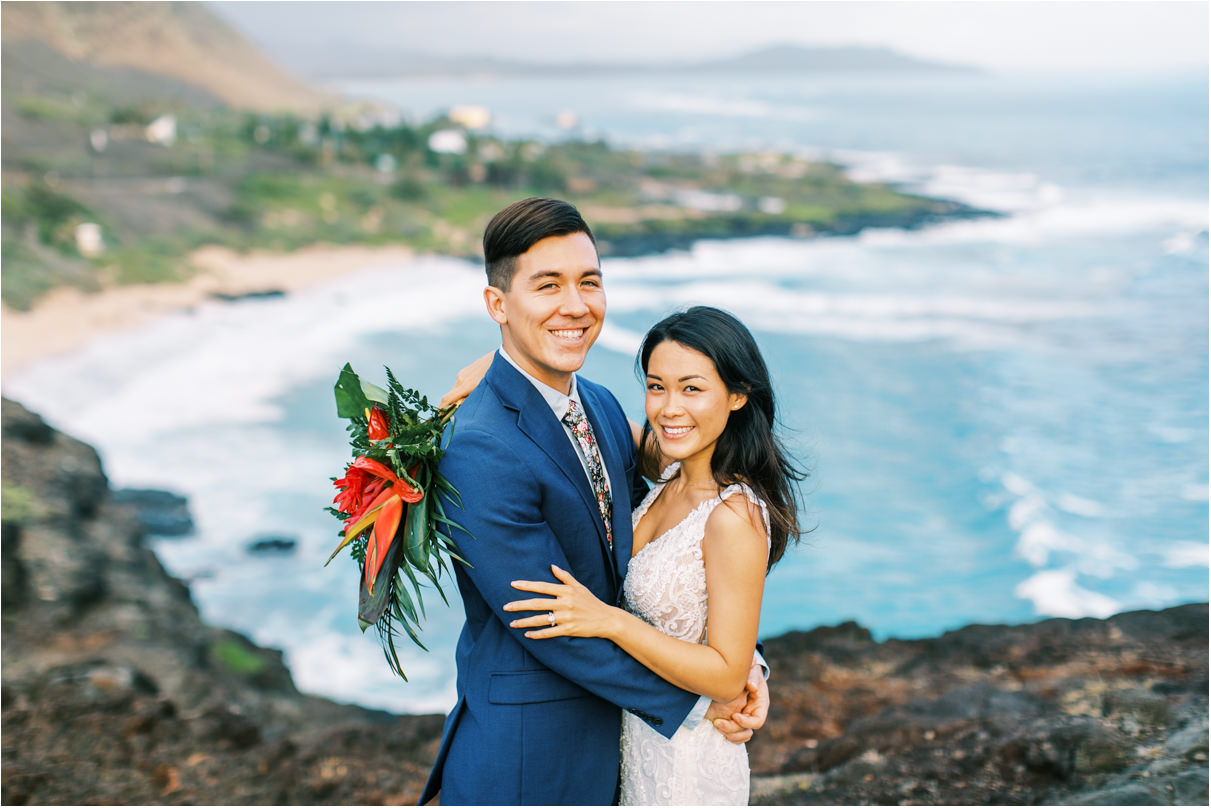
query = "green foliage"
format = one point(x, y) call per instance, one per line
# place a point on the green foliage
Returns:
point(29, 271)
point(53, 213)
point(418, 553)
point(408, 189)
point(150, 261)
point(23, 284)
point(237, 657)
point(18, 504)
point(47, 108)
point(281, 182)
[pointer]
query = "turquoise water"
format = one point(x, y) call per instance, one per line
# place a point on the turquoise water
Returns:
point(1004, 419)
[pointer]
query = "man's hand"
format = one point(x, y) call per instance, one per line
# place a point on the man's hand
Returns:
point(740, 718)
point(466, 381)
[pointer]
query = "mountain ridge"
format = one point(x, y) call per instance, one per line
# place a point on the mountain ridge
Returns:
point(858, 59)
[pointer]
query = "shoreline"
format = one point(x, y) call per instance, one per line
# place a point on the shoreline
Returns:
point(66, 319)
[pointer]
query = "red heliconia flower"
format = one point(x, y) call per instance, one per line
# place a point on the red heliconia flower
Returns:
point(349, 496)
point(377, 427)
point(374, 496)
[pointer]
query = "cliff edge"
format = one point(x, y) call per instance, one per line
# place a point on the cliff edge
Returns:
point(115, 691)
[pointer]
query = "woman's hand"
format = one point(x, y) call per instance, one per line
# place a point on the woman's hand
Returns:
point(467, 380)
point(571, 611)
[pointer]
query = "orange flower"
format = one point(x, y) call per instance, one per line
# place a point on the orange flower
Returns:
point(374, 496)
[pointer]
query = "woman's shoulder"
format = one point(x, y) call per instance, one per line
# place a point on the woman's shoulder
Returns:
point(740, 511)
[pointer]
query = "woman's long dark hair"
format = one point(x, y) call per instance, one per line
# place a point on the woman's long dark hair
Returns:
point(748, 451)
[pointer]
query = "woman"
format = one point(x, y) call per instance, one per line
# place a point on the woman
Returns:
point(719, 517)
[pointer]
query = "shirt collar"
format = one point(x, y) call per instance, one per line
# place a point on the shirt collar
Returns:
point(556, 400)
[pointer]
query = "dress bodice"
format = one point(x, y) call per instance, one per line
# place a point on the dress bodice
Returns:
point(666, 586)
point(666, 579)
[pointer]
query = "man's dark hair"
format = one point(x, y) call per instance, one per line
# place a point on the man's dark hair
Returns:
point(519, 227)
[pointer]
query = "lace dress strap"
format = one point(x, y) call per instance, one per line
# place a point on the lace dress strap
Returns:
point(737, 488)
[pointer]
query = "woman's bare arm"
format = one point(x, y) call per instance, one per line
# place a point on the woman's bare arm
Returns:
point(734, 553)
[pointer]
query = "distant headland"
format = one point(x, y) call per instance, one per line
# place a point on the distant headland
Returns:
point(850, 59)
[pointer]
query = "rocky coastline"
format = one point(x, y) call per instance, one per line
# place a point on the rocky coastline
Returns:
point(115, 691)
point(655, 236)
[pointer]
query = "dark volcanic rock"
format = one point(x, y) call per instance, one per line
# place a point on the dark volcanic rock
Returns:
point(268, 545)
point(258, 294)
point(114, 691)
point(1063, 711)
point(161, 513)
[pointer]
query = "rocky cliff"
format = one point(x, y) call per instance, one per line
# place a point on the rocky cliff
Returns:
point(115, 691)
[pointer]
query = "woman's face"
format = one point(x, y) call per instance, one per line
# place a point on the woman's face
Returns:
point(687, 403)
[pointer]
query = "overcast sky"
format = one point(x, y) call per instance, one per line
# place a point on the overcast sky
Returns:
point(1154, 34)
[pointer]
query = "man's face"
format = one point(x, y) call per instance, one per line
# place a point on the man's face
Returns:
point(554, 308)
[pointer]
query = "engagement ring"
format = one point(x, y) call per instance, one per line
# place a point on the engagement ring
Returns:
point(551, 618)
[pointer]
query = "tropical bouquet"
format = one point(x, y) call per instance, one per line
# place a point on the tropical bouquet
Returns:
point(389, 504)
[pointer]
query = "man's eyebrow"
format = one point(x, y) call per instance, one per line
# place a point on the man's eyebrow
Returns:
point(555, 273)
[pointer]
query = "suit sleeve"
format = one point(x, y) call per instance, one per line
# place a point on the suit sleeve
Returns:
point(510, 539)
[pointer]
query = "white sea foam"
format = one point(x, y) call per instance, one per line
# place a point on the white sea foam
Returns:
point(351, 668)
point(227, 363)
point(1178, 555)
point(1153, 595)
point(621, 340)
point(1195, 493)
point(771, 299)
point(1185, 242)
point(1025, 511)
point(968, 320)
point(1079, 505)
point(1003, 191)
point(1055, 593)
point(1040, 542)
point(1047, 225)
point(1016, 483)
point(1170, 434)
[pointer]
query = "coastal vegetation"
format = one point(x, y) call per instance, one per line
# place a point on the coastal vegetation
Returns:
point(119, 161)
point(282, 181)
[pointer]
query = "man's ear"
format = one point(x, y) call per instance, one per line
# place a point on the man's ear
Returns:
point(494, 299)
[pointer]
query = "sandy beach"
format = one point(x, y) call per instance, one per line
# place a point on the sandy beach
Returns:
point(67, 318)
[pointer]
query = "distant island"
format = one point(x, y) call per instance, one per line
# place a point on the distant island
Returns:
point(849, 59)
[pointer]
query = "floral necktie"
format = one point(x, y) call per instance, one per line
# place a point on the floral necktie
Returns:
point(588, 444)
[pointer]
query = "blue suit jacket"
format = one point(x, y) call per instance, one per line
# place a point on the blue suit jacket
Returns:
point(538, 721)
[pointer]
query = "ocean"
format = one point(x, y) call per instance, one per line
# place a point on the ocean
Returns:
point(1005, 419)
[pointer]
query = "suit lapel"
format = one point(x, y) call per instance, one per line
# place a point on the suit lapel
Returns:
point(538, 423)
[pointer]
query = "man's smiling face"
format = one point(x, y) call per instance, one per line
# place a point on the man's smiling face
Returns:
point(554, 308)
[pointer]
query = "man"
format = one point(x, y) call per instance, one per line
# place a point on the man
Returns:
point(544, 463)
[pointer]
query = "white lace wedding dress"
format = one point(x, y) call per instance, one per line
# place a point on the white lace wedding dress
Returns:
point(666, 586)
